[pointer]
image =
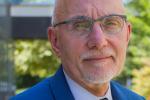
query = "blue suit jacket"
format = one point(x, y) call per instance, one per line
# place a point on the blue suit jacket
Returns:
point(56, 88)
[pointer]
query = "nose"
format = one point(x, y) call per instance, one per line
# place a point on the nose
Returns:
point(97, 38)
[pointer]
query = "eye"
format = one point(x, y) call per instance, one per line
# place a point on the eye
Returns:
point(112, 22)
point(83, 25)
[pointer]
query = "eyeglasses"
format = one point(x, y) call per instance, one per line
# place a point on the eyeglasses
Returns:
point(110, 24)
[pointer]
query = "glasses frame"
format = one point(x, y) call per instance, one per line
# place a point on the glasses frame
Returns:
point(124, 17)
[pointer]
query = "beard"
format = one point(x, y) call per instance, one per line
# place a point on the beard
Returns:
point(99, 77)
point(100, 72)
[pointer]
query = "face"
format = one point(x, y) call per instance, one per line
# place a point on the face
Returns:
point(96, 56)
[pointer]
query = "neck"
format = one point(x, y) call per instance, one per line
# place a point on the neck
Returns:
point(95, 89)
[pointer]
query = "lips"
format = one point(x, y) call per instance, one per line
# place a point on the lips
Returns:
point(98, 58)
point(103, 55)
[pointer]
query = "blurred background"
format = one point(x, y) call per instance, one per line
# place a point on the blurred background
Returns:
point(26, 56)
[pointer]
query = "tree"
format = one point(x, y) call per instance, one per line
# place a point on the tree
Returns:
point(141, 81)
point(35, 58)
point(138, 64)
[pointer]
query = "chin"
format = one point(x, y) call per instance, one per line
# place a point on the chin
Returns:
point(99, 79)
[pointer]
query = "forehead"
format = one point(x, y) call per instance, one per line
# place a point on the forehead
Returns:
point(93, 8)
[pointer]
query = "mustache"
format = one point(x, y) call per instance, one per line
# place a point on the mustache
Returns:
point(98, 53)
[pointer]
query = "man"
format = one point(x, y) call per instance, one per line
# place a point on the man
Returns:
point(90, 37)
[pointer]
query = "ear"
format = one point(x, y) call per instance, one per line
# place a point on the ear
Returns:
point(129, 30)
point(53, 38)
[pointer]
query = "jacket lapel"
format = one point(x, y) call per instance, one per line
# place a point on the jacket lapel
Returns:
point(60, 87)
point(62, 91)
point(117, 93)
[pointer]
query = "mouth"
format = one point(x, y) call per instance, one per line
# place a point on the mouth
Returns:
point(98, 59)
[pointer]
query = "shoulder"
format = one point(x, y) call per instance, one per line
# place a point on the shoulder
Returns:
point(124, 92)
point(37, 92)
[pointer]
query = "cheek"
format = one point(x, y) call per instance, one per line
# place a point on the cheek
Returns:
point(121, 42)
point(119, 45)
point(71, 50)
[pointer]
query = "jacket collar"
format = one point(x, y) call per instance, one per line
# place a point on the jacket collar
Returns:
point(117, 92)
point(62, 91)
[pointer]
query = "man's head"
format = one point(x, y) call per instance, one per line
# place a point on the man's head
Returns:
point(91, 38)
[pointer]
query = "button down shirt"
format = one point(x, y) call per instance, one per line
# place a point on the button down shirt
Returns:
point(81, 93)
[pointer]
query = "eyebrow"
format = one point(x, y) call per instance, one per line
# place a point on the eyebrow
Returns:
point(87, 17)
point(72, 19)
point(80, 17)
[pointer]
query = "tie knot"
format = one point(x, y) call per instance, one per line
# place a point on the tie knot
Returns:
point(104, 99)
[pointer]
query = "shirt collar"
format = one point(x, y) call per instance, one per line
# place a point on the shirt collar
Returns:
point(81, 93)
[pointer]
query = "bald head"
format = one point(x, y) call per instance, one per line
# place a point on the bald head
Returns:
point(69, 8)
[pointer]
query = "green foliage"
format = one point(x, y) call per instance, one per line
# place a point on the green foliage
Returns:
point(141, 81)
point(34, 58)
point(138, 50)
point(138, 55)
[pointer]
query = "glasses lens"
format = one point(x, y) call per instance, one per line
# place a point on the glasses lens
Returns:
point(112, 24)
point(81, 25)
